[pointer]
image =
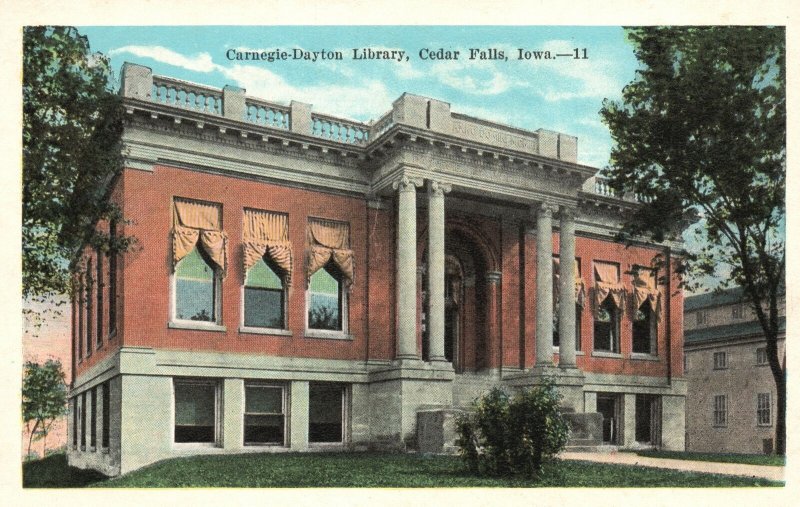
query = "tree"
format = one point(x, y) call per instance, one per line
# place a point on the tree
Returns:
point(700, 134)
point(44, 398)
point(71, 137)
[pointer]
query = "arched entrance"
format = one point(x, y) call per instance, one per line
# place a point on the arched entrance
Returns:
point(468, 300)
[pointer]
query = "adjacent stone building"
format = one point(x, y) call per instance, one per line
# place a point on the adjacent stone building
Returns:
point(306, 282)
point(731, 399)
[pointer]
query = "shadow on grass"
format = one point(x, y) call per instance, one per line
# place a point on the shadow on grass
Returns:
point(54, 472)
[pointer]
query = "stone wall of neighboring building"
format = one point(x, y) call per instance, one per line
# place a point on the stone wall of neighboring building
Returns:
point(727, 373)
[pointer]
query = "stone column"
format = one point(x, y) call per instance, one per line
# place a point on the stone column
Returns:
point(407, 268)
point(494, 353)
point(435, 322)
point(544, 286)
point(566, 307)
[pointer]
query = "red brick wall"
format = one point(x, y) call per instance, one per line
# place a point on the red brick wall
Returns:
point(145, 289)
point(148, 270)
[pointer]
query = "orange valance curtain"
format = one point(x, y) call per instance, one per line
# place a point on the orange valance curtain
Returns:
point(267, 233)
point(645, 289)
point(580, 290)
point(328, 240)
point(607, 283)
point(197, 222)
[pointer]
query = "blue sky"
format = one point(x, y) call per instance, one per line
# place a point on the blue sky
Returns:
point(562, 94)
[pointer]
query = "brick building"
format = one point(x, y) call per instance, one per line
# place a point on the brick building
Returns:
point(731, 399)
point(303, 281)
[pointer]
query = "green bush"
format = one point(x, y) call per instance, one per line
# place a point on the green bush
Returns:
point(513, 434)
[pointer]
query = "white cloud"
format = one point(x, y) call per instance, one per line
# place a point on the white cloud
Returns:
point(590, 78)
point(357, 99)
point(200, 62)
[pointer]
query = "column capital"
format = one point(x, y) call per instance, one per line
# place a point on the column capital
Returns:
point(438, 189)
point(567, 212)
point(493, 277)
point(406, 184)
point(544, 210)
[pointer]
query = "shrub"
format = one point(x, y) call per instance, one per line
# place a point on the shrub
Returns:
point(507, 435)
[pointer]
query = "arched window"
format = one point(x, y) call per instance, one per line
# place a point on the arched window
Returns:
point(644, 330)
point(195, 288)
point(326, 299)
point(606, 327)
point(264, 296)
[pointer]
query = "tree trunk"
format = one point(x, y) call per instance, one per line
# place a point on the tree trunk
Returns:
point(30, 438)
point(780, 422)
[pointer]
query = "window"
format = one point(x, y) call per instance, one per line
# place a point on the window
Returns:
point(195, 411)
point(100, 287)
point(685, 363)
point(608, 293)
point(579, 301)
point(326, 412)
point(720, 360)
point(75, 422)
point(644, 330)
point(556, 338)
point(106, 414)
point(264, 297)
point(268, 264)
point(80, 306)
point(647, 301)
point(738, 312)
point(264, 415)
point(329, 272)
point(761, 356)
point(763, 409)
point(606, 327)
point(721, 410)
point(83, 421)
point(93, 422)
point(702, 317)
point(112, 281)
point(89, 308)
point(199, 260)
point(195, 288)
point(325, 300)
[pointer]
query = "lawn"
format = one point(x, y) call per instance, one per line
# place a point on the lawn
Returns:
point(361, 470)
point(53, 472)
point(747, 459)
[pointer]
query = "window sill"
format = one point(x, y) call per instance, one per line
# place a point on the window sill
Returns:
point(197, 326)
point(265, 331)
point(721, 426)
point(600, 353)
point(640, 356)
point(557, 350)
point(194, 445)
point(112, 335)
point(327, 335)
point(104, 450)
point(92, 449)
point(764, 425)
point(720, 369)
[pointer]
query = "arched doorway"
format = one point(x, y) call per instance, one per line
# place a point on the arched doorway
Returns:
point(467, 300)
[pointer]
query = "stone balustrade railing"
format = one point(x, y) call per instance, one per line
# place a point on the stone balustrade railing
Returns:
point(177, 93)
point(339, 130)
point(602, 187)
point(412, 111)
point(382, 125)
point(267, 114)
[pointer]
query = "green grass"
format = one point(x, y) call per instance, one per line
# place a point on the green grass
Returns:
point(747, 459)
point(53, 472)
point(292, 470)
point(395, 470)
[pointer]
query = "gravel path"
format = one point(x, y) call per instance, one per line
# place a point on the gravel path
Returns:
point(629, 458)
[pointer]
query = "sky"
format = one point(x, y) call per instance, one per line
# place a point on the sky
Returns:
point(562, 94)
